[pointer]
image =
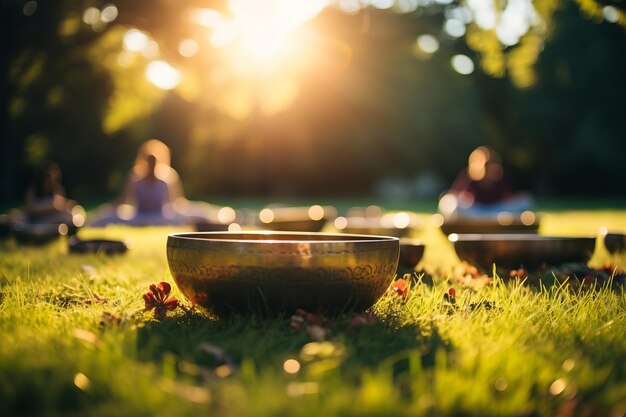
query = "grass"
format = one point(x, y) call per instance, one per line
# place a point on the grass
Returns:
point(505, 350)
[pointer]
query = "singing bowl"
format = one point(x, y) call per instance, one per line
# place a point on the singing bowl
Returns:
point(411, 252)
point(489, 226)
point(297, 219)
point(374, 226)
point(295, 225)
point(267, 272)
point(521, 250)
point(615, 242)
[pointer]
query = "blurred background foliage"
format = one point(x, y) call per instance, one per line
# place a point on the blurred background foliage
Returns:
point(314, 98)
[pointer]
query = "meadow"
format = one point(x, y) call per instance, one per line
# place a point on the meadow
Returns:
point(76, 341)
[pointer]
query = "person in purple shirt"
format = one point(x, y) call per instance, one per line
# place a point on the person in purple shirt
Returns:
point(153, 194)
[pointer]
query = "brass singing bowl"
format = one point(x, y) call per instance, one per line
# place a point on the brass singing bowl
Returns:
point(521, 250)
point(615, 242)
point(411, 252)
point(278, 272)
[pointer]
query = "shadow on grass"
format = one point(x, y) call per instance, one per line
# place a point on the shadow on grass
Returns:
point(210, 343)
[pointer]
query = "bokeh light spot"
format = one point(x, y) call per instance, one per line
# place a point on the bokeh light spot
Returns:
point(226, 215)
point(30, 7)
point(558, 386)
point(401, 220)
point(91, 15)
point(291, 366)
point(462, 64)
point(266, 215)
point(454, 28)
point(81, 381)
point(316, 212)
point(162, 75)
point(340, 223)
point(500, 384)
point(428, 44)
point(505, 218)
point(610, 13)
point(528, 218)
point(109, 13)
point(188, 48)
point(135, 40)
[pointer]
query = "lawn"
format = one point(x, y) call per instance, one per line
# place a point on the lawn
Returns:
point(76, 341)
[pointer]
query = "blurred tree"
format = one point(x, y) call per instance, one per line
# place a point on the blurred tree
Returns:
point(358, 98)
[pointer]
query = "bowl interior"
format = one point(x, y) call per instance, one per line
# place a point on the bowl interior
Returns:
point(275, 236)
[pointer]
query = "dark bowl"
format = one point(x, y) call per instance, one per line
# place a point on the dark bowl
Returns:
point(377, 226)
point(295, 219)
point(210, 226)
point(279, 272)
point(486, 225)
point(40, 233)
point(295, 225)
point(513, 251)
point(105, 246)
point(615, 242)
point(411, 252)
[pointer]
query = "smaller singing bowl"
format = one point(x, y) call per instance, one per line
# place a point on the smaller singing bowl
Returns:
point(411, 252)
point(489, 225)
point(512, 251)
point(295, 219)
point(615, 242)
point(377, 226)
point(272, 273)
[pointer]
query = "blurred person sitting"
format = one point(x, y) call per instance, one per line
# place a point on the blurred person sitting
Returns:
point(45, 200)
point(482, 190)
point(153, 194)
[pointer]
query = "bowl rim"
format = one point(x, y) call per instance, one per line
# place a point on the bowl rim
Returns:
point(514, 237)
point(339, 237)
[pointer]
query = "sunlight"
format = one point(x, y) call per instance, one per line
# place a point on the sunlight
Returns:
point(162, 75)
point(265, 27)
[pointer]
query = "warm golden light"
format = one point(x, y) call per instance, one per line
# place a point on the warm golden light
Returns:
point(505, 218)
point(437, 220)
point(401, 220)
point(266, 215)
point(63, 229)
point(448, 204)
point(109, 13)
point(226, 215)
point(135, 40)
point(162, 75)
point(316, 212)
point(188, 48)
point(234, 227)
point(528, 218)
point(81, 381)
point(205, 17)
point(291, 366)
point(341, 223)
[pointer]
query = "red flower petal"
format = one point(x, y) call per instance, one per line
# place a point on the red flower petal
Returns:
point(171, 304)
point(150, 300)
point(165, 288)
point(452, 292)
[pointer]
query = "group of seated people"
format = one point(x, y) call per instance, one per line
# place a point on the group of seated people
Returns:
point(153, 194)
